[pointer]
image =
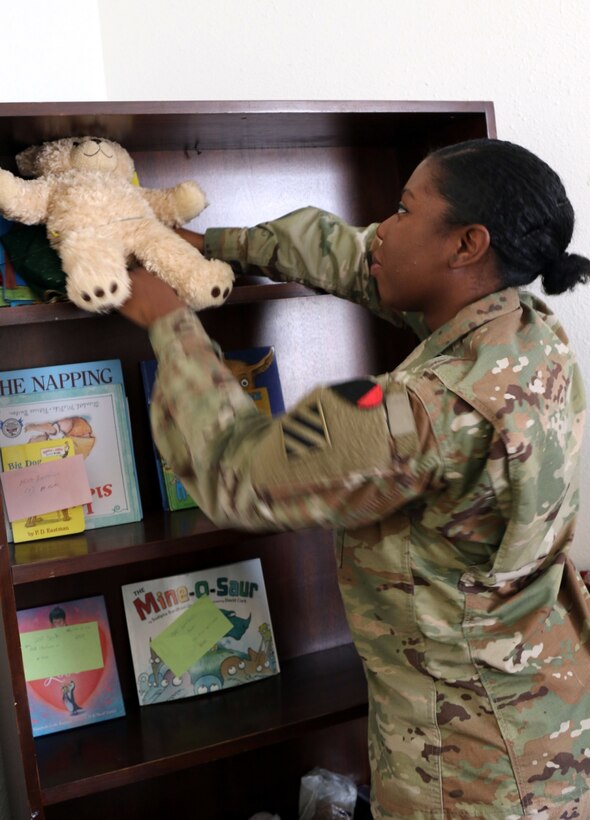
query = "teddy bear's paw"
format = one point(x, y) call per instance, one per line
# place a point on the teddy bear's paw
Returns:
point(210, 288)
point(100, 295)
point(190, 200)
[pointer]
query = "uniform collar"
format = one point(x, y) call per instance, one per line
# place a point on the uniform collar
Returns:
point(468, 319)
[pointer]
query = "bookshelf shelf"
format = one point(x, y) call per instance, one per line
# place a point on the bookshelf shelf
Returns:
point(184, 734)
point(242, 294)
point(237, 752)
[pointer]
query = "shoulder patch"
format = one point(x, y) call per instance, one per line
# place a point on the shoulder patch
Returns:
point(305, 429)
point(363, 393)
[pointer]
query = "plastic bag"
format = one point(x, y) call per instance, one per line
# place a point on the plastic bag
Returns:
point(324, 795)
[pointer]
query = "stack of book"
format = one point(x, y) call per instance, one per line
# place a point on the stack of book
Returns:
point(85, 404)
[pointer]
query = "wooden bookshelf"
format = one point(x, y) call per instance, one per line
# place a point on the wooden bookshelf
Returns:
point(237, 752)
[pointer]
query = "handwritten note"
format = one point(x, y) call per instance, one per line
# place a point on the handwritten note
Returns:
point(46, 487)
point(190, 636)
point(63, 650)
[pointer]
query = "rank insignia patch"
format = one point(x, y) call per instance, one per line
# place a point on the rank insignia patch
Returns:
point(305, 430)
point(364, 393)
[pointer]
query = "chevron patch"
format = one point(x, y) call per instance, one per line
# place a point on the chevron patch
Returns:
point(305, 430)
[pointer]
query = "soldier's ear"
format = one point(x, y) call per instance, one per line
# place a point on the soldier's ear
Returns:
point(472, 244)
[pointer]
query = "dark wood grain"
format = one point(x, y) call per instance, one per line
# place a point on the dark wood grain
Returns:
point(311, 692)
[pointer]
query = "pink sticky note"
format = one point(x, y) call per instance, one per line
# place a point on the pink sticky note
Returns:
point(45, 487)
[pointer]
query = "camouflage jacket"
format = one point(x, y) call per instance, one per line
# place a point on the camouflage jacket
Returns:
point(452, 484)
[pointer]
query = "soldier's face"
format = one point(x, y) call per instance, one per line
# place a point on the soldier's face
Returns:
point(413, 247)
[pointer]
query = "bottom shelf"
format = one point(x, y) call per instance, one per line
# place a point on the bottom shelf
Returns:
point(312, 691)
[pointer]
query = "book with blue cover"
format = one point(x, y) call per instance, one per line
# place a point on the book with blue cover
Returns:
point(60, 377)
point(15, 290)
point(256, 370)
point(69, 376)
point(95, 418)
point(69, 662)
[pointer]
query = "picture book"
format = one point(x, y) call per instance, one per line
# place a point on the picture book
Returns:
point(199, 632)
point(32, 380)
point(170, 486)
point(69, 663)
point(256, 370)
point(95, 418)
point(15, 290)
point(64, 521)
point(63, 377)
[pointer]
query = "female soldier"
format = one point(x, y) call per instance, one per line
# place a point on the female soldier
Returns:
point(453, 478)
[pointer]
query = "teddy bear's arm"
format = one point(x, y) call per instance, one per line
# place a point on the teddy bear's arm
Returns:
point(25, 200)
point(175, 206)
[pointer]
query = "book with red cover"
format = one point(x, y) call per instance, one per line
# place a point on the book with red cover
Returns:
point(70, 668)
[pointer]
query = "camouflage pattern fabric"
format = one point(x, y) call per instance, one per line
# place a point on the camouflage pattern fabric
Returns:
point(452, 484)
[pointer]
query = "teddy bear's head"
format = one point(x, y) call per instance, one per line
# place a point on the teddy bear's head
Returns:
point(75, 153)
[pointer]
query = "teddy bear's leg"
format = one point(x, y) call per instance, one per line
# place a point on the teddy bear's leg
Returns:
point(200, 282)
point(96, 274)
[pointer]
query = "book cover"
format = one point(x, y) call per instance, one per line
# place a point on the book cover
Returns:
point(60, 377)
point(15, 291)
point(239, 650)
point(256, 370)
point(96, 420)
point(70, 668)
point(64, 521)
point(63, 377)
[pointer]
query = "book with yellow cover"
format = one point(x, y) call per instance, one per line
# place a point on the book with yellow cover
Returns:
point(61, 522)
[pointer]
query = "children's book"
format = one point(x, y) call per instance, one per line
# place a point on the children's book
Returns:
point(15, 290)
point(65, 521)
point(95, 419)
point(60, 377)
point(70, 668)
point(199, 632)
point(256, 370)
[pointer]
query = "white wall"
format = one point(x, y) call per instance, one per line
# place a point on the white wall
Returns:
point(530, 57)
point(51, 51)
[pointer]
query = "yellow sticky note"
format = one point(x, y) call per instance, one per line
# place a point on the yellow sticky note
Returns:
point(63, 650)
point(191, 635)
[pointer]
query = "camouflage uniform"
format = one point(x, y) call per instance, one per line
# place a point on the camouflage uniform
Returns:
point(452, 483)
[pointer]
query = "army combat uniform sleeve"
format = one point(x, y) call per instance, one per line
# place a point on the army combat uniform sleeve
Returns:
point(312, 247)
point(343, 457)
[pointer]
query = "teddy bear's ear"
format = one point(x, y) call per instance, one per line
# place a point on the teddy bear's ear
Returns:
point(26, 161)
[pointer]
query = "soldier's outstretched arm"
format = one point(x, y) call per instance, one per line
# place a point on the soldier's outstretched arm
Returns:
point(344, 456)
point(310, 246)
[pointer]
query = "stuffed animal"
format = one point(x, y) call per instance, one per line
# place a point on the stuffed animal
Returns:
point(99, 222)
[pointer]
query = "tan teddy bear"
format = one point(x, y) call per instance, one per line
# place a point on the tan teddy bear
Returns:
point(99, 222)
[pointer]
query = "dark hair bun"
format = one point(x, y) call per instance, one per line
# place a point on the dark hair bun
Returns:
point(565, 273)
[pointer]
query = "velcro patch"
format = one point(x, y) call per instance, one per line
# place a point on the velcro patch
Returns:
point(363, 393)
point(305, 430)
point(400, 418)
